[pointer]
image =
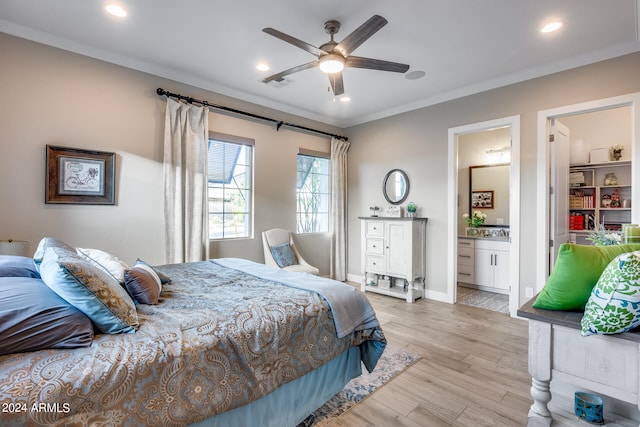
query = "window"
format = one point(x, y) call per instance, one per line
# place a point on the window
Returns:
point(230, 183)
point(312, 195)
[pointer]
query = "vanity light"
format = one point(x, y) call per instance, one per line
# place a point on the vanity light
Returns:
point(502, 155)
point(551, 27)
point(116, 10)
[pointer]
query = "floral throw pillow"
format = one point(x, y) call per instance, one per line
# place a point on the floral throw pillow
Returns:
point(614, 304)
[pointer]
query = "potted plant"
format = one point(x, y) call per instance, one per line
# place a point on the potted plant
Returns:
point(411, 209)
point(616, 151)
point(474, 221)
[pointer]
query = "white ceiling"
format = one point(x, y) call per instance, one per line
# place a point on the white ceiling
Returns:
point(463, 46)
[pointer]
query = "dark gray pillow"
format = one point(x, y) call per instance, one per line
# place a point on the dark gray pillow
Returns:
point(17, 266)
point(33, 317)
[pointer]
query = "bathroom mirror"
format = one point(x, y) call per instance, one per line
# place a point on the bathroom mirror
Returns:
point(395, 186)
point(489, 192)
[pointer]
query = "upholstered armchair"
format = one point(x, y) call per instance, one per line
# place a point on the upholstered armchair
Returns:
point(281, 252)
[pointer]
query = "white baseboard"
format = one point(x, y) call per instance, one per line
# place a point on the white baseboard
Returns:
point(437, 296)
point(354, 278)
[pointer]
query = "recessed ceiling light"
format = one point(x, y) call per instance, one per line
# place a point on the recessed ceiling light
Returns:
point(116, 10)
point(345, 99)
point(551, 27)
point(262, 67)
point(415, 75)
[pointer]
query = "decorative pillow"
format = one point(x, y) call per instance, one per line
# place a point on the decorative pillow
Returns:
point(614, 304)
point(89, 289)
point(577, 269)
point(33, 317)
point(163, 277)
point(104, 260)
point(142, 283)
point(17, 266)
point(48, 242)
point(283, 255)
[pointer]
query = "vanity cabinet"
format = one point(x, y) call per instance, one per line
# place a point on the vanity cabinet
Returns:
point(466, 260)
point(484, 263)
point(492, 264)
point(393, 247)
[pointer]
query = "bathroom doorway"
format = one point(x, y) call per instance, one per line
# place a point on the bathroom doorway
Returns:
point(492, 147)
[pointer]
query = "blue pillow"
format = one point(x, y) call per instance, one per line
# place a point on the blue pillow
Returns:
point(17, 266)
point(33, 317)
point(89, 289)
point(283, 255)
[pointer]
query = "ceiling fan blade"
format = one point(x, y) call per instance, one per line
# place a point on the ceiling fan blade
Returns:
point(360, 35)
point(337, 84)
point(294, 41)
point(375, 64)
point(284, 73)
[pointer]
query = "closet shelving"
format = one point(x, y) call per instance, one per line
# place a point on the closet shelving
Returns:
point(594, 199)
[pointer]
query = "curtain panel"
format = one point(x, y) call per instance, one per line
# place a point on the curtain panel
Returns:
point(185, 183)
point(338, 267)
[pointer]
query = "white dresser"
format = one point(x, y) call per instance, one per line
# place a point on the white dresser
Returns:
point(393, 248)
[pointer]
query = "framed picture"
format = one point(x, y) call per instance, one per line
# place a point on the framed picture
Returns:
point(482, 199)
point(79, 176)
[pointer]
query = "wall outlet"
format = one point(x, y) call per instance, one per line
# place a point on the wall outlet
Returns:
point(528, 292)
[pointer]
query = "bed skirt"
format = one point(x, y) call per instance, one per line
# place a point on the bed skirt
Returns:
point(291, 403)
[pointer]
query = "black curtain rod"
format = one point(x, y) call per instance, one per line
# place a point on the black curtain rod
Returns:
point(278, 123)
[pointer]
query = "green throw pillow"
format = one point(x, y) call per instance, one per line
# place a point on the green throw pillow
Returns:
point(614, 304)
point(576, 272)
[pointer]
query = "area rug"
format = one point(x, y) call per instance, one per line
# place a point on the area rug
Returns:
point(483, 299)
point(393, 361)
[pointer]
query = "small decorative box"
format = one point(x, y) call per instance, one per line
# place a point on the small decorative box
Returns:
point(384, 283)
point(599, 155)
point(393, 212)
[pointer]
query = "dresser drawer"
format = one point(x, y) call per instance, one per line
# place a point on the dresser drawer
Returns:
point(375, 229)
point(374, 264)
point(466, 256)
point(466, 274)
point(375, 246)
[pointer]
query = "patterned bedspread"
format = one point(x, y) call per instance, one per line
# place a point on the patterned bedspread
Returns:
point(219, 339)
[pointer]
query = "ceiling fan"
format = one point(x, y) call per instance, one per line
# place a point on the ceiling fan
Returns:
point(333, 57)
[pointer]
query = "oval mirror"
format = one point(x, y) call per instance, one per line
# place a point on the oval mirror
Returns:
point(395, 186)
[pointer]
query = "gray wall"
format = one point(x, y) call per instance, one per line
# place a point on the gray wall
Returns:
point(51, 96)
point(417, 142)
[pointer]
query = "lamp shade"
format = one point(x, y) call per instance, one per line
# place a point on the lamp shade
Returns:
point(14, 247)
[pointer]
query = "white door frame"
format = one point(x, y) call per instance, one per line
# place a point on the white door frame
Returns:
point(542, 242)
point(514, 207)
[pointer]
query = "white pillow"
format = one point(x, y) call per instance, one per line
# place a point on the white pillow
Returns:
point(105, 261)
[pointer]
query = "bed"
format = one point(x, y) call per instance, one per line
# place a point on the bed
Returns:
point(229, 342)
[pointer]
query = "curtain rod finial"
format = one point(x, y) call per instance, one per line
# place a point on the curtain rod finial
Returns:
point(160, 91)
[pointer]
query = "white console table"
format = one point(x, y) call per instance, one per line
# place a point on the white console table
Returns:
point(605, 364)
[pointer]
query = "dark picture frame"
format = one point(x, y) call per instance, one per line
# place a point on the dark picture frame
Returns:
point(482, 199)
point(76, 176)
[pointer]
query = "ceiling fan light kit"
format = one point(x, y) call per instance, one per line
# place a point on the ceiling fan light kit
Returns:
point(332, 63)
point(333, 57)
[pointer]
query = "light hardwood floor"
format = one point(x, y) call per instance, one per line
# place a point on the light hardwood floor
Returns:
point(473, 370)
